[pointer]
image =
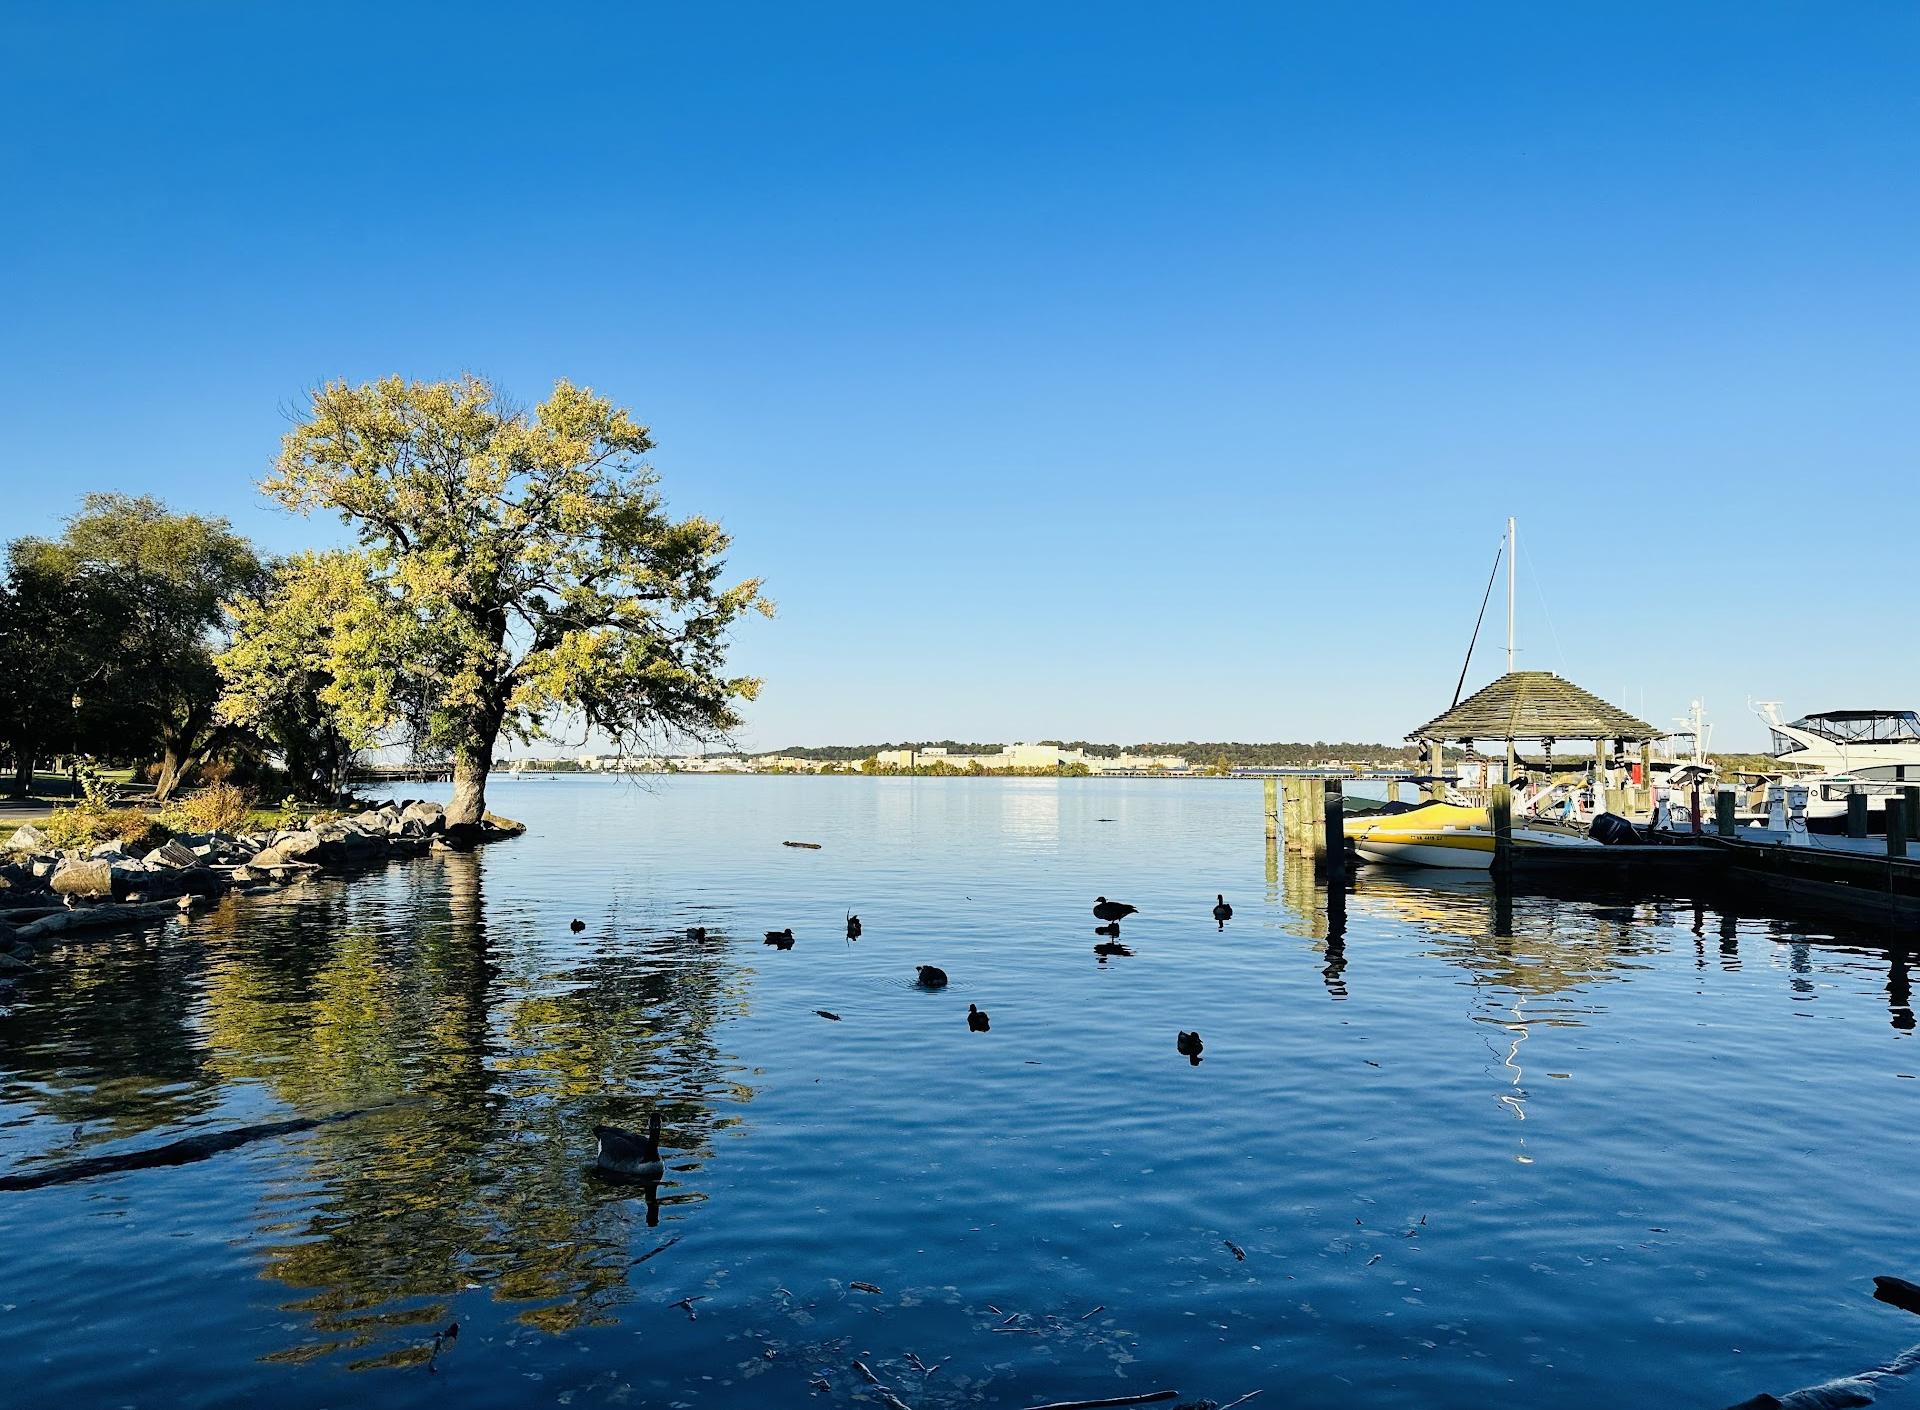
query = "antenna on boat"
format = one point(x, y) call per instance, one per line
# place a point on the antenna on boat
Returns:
point(1512, 538)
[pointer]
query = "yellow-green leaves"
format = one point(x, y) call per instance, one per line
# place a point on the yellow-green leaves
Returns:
point(518, 570)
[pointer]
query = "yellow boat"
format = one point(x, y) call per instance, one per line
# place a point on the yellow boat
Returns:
point(1447, 835)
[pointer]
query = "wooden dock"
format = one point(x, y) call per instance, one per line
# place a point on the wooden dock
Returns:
point(1878, 882)
point(1858, 885)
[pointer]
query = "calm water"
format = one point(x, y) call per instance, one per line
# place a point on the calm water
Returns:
point(1588, 1154)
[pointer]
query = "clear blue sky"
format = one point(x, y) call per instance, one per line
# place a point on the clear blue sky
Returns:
point(1102, 371)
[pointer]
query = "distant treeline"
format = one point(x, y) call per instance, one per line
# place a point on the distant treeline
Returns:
point(1236, 755)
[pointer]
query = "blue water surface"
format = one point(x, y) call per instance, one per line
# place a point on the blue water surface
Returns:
point(1577, 1151)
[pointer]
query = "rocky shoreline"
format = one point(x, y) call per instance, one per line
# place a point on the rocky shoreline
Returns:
point(47, 894)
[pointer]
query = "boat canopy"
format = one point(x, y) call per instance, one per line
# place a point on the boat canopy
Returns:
point(1863, 726)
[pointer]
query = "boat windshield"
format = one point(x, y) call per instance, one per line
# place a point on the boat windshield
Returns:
point(1861, 727)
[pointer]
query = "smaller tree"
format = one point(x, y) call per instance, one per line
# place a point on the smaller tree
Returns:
point(306, 667)
point(149, 586)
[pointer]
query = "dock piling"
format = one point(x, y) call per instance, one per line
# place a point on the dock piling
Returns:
point(1723, 812)
point(1270, 792)
point(1856, 814)
point(1500, 806)
point(1897, 827)
point(1333, 834)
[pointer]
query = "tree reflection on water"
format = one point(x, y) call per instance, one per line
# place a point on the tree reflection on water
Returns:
point(486, 1060)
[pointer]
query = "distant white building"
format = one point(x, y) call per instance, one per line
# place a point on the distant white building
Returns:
point(1028, 756)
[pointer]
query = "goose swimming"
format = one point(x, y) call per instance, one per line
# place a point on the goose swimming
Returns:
point(931, 976)
point(780, 939)
point(577, 926)
point(976, 1020)
point(696, 932)
point(629, 1153)
point(1222, 912)
point(1111, 911)
point(853, 927)
point(1190, 1046)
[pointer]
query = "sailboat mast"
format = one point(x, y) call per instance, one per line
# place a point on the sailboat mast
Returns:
point(1511, 538)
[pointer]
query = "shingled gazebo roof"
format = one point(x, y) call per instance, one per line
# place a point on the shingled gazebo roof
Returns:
point(1534, 705)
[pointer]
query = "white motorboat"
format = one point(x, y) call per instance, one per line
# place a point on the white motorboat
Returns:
point(1875, 746)
point(1448, 835)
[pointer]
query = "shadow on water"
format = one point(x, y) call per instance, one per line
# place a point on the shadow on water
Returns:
point(485, 1180)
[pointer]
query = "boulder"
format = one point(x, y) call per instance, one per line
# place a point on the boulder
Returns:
point(172, 854)
point(109, 852)
point(289, 847)
point(27, 838)
point(169, 882)
point(11, 963)
point(431, 816)
point(88, 878)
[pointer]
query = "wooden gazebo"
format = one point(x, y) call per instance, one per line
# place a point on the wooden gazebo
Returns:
point(1540, 707)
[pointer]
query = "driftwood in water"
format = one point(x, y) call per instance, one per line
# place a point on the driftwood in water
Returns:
point(101, 917)
point(1146, 1399)
point(182, 1152)
point(1899, 1292)
point(810, 846)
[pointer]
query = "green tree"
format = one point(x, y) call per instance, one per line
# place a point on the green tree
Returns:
point(292, 673)
point(531, 576)
point(46, 622)
point(146, 588)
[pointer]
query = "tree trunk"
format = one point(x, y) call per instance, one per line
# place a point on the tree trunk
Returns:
point(173, 768)
point(23, 769)
point(471, 764)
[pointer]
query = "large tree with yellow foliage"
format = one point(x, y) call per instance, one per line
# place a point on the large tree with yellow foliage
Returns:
point(524, 577)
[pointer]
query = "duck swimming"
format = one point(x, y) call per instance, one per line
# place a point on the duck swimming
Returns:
point(577, 926)
point(1222, 912)
point(853, 927)
point(696, 932)
point(1190, 1047)
point(780, 939)
point(629, 1153)
point(976, 1020)
point(1111, 911)
point(931, 976)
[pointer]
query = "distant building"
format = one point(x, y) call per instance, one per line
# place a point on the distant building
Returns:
point(1042, 757)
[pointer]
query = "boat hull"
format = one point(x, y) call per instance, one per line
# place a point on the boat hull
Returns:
point(1457, 852)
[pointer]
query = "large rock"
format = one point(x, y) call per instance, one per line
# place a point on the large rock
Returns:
point(27, 838)
point(172, 854)
point(431, 816)
point(109, 852)
point(168, 882)
point(93, 878)
point(289, 847)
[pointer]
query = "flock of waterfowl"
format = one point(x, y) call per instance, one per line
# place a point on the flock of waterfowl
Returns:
point(632, 1155)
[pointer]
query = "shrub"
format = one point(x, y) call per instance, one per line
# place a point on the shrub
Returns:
point(219, 807)
point(85, 825)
